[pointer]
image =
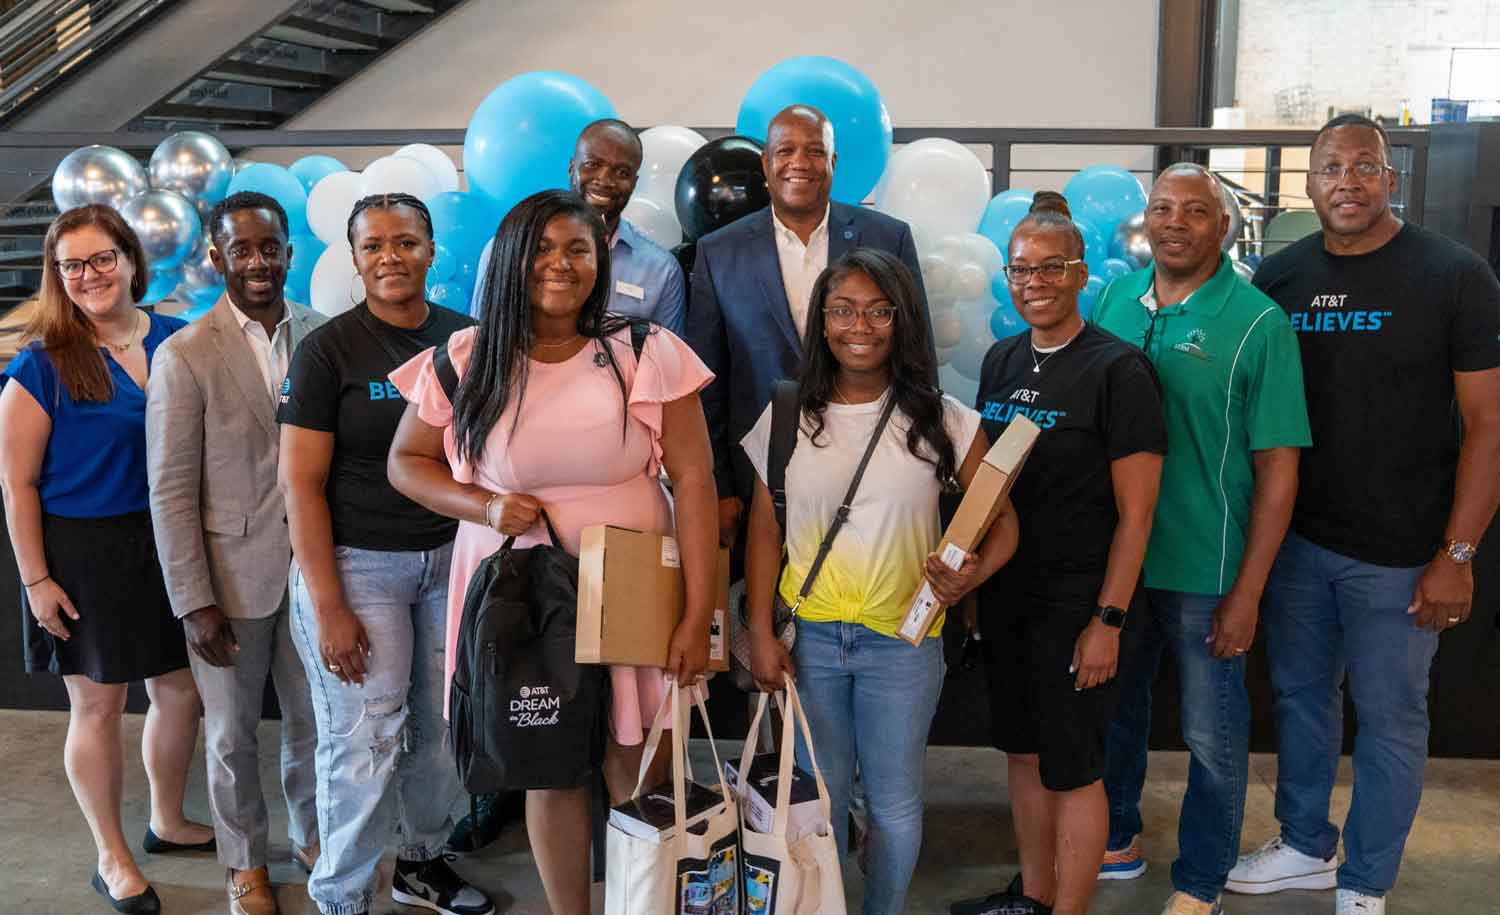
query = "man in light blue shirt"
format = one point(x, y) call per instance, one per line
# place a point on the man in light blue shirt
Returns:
point(647, 280)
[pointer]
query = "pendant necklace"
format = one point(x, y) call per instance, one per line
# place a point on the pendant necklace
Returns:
point(129, 341)
point(1036, 365)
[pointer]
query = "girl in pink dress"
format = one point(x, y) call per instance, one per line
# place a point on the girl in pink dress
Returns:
point(553, 410)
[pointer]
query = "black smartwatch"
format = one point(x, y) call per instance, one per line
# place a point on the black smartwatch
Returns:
point(1111, 616)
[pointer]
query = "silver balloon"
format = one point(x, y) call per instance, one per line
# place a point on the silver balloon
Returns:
point(167, 226)
point(1130, 242)
point(1236, 219)
point(97, 174)
point(1245, 271)
point(198, 271)
point(195, 165)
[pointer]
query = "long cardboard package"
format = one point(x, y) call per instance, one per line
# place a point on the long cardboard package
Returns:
point(630, 599)
point(976, 513)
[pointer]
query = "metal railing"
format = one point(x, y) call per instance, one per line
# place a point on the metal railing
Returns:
point(41, 41)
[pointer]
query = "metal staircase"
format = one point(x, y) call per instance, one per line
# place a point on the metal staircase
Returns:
point(152, 66)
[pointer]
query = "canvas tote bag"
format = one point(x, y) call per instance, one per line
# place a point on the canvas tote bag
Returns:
point(688, 874)
point(803, 877)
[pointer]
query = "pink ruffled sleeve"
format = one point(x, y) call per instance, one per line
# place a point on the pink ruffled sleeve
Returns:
point(418, 382)
point(668, 370)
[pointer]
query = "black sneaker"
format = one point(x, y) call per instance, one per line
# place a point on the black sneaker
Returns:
point(488, 816)
point(1009, 901)
point(434, 885)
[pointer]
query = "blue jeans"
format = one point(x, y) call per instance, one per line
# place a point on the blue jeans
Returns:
point(1327, 615)
point(870, 699)
point(1216, 725)
point(382, 761)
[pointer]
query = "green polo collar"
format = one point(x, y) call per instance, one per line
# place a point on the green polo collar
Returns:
point(1208, 299)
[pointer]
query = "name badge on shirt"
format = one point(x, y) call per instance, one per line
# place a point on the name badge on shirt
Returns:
point(630, 289)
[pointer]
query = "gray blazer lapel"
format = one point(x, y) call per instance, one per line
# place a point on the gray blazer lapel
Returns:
point(768, 272)
point(229, 338)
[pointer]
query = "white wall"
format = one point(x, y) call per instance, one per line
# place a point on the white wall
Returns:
point(989, 63)
point(1354, 54)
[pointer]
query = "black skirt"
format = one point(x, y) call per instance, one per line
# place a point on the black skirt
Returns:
point(109, 570)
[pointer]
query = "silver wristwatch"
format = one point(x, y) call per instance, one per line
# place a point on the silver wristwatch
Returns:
point(1459, 551)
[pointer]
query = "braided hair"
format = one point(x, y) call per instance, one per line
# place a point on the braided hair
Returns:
point(388, 202)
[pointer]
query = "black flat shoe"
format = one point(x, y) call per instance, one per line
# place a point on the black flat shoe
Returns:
point(156, 845)
point(145, 903)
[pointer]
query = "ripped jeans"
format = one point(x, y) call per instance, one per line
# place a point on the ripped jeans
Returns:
point(382, 762)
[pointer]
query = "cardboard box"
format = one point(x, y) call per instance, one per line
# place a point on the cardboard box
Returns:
point(976, 513)
point(758, 803)
point(630, 599)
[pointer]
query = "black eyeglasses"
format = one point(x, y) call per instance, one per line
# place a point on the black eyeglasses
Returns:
point(103, 262)
point(1052, 271)
point(843, 317)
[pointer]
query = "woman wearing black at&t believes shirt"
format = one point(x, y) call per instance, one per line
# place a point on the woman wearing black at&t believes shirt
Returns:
point(370, 581)
point(1051, 619)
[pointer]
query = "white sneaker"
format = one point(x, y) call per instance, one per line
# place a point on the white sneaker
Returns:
point(1278, 866)
point(1352, 903)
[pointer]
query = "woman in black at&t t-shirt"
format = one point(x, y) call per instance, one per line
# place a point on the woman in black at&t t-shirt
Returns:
point(1051, 618)
point(370, 580)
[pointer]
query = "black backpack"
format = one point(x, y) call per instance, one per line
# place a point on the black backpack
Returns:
point(522, 713)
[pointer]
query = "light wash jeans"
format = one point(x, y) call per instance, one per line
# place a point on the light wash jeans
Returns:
point(870, 700)
point(1216, 726)
point(383, 761)
point(1326, 616)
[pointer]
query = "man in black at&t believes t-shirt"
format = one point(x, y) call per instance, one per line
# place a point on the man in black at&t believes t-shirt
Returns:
point(1396, 326)
point(337, 383)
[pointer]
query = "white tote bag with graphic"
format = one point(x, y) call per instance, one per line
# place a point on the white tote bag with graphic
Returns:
point(803, 877)
point(691, 873)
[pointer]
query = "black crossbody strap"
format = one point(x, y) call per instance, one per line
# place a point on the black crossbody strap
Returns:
point(785, 415)
point(842, 514)
point(447, 375)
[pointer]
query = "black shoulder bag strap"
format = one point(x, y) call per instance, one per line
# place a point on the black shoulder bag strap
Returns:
point(842, 514)
point(785, 415)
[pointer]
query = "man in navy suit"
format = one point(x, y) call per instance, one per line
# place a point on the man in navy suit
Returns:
point(751, 282)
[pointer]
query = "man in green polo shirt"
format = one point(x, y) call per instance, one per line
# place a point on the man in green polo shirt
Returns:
point(1231, 376)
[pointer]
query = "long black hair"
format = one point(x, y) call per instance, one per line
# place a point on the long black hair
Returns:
point(498, 363)
point(910, 360)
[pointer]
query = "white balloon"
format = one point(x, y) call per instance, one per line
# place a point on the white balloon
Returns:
point(436, 161)
point(330, 203)
point(977, 249)
point(400, 175)
point(335, 286)
point(947, 329)
point(936, 184)
point(971, 280)
point(664, 150)
point(937, 273)
point(654, 221)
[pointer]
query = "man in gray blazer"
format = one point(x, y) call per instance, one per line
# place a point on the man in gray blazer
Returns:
point(221, 533)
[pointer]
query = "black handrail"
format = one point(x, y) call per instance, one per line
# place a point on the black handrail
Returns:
point(42, 40)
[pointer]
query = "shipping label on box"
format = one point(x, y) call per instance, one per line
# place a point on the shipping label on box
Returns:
point(976, 514)
point(630, 599)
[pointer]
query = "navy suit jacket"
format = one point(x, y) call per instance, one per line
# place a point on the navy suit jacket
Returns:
point(741, 326)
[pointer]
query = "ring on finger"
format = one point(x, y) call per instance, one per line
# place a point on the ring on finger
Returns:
point(334, 668)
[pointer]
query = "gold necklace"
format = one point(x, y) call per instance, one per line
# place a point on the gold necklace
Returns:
point(129, 341)
point(571, 339)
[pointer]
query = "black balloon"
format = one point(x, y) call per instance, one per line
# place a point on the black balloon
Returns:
point(687, 255)
point(720, 182)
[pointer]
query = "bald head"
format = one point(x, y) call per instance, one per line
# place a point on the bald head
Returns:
point(798, 161)
point(1196, 175)
point(1185, 222)
point(606, 162)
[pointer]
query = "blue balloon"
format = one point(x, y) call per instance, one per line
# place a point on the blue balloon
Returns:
point(196, 311)
point(463, 223)
point(1005, 321)
point(1095, 248)
point(444, 266)
point(280, 185)
point(1089, 295)
point(861, 126)
point(306, 249)
point(522, 135)
point(1104, 196)
point(448, 295)
point(1001, 215)
point(159, 285)
point(1114, 268)
point(311, 169)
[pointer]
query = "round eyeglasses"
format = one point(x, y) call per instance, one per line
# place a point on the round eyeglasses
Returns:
point(843, 317)
point(103, 262)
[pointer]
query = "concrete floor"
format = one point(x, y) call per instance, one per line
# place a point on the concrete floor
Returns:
point(1452, 863)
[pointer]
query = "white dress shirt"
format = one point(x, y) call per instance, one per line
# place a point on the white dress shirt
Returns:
point(272, 354)
point(800, 265)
